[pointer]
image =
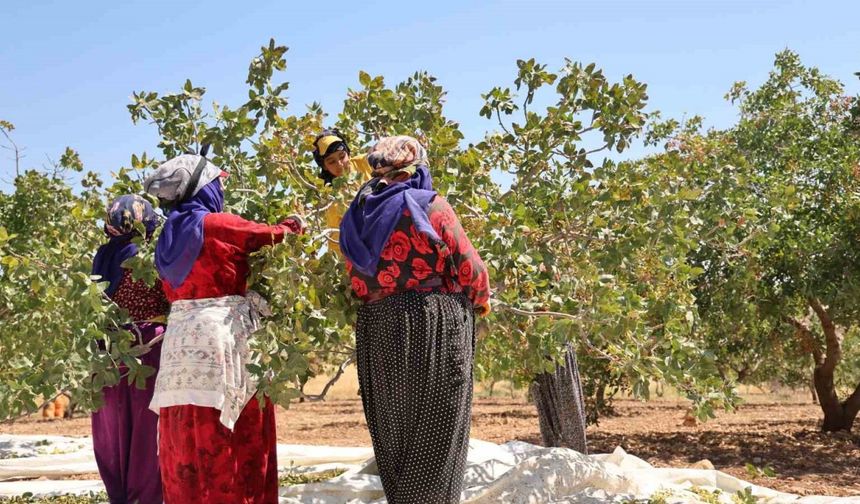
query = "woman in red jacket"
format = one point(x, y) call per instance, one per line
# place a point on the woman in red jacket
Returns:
point(216, 443)
point(421, 282)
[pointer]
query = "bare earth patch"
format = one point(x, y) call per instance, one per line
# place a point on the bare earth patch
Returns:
point(765, 432)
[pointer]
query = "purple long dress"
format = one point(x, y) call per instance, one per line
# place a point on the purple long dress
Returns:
point(125, 430)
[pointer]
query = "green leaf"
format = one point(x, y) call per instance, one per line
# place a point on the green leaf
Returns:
point(364, 78)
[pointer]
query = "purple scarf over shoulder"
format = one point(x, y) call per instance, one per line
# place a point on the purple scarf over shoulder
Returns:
point(119, 226)
point(368, 223)
point(107, 263)
point(181, 239)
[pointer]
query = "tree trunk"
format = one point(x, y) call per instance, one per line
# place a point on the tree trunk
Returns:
point(838, 415)
point(811, 385)
point(600, 398)
point(300, 384)
point(560, 405)
point(851, 408)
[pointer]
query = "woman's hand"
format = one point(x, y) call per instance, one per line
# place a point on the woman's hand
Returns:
point(295, 223)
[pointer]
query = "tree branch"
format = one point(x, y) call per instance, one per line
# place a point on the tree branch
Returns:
point(502, 124)
point(526, 313)
point(332, 381)
point(301, 178)
point(154, 120)
point(322, 208)
point(33, 260)
point(586, 130)
point(555, 315)
point(191, 119)
point(832, 339)
point(476, 212)
point(593, 151)
point(807, 337)
point(324, 233)
point(15, 149)
point(152, 342)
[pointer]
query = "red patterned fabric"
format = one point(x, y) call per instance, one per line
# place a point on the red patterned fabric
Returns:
point(409, 261)
point(143, 302)
point(203, 461)
point(221, 268)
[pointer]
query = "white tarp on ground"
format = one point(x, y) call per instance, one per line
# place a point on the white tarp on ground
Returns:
point(512, 473)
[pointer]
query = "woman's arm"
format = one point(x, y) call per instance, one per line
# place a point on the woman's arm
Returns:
point(469, 273)
point(249, 235)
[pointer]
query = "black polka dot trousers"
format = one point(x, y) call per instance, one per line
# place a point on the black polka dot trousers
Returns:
point(414, 355)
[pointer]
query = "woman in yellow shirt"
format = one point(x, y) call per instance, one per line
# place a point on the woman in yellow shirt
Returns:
point(332, 155)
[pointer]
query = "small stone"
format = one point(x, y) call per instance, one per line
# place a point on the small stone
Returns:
point(703, 464)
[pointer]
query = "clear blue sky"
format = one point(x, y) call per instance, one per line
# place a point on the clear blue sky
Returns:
point(69, 68)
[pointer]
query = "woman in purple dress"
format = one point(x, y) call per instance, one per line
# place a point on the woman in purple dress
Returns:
point(124, 429)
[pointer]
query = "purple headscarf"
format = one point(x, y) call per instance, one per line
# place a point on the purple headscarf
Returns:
point(122, 214)
point(182, 237)
point(371, 218)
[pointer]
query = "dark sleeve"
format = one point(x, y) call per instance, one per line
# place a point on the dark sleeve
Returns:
point(469, 273)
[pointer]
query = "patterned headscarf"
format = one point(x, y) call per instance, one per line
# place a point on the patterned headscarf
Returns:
point(122, 214)
point(392, 154)
point(127, 210)
point(370, 219)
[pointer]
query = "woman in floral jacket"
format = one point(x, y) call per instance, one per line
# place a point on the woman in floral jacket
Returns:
point(421, 282)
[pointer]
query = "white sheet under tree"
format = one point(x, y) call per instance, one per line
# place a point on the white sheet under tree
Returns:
point(511, 473)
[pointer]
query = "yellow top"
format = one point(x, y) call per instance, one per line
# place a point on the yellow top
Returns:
point(360, 164)
point(334, 213)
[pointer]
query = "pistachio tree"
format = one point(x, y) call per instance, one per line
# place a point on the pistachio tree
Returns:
point(52, 313)
point(586, 250)
point(785, 300)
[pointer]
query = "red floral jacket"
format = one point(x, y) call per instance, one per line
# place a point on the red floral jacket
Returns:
point(410, 261)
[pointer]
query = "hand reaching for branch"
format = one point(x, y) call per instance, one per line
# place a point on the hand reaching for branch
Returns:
point(296, 224)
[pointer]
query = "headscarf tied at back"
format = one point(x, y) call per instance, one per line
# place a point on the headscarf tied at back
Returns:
point(393, 154)
point(122, 214)
point(190, 188)
point(374, 213)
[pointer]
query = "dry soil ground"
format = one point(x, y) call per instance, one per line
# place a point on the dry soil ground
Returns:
point(769, 430)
